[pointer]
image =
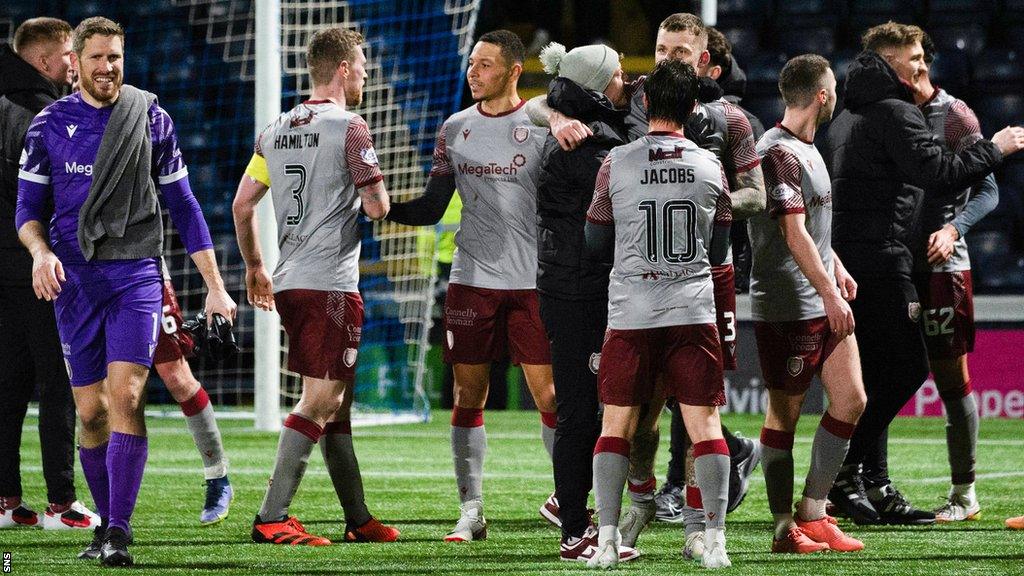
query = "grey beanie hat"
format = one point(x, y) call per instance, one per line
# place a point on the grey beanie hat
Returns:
point(589, 66)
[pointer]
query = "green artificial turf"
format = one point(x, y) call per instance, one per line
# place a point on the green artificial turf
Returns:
point(409, 483)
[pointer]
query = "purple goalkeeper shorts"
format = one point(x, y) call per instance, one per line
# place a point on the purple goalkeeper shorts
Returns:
point(104, 320)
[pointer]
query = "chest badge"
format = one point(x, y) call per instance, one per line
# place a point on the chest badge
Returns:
point(520, 134)
point(465, 134)
point(71, 130)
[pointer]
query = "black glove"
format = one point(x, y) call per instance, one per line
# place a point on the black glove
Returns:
point(216, 342)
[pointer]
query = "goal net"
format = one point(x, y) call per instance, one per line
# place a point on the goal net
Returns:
point(416, 52)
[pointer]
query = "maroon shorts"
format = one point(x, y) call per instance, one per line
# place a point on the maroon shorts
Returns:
point(793, 352)
point(689, 358)
point(324, 329)
point(724, 278)
point(173, 342)
point(481, 324)
point(947, 312)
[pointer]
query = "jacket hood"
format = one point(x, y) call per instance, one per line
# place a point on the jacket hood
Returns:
point(734, 84)
point(870, 79)
point(587, 106)
point(20, 82)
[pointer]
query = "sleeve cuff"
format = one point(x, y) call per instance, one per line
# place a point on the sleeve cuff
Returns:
point(373, 180)
point(749, 167)
point(174, 177)
point(31, 177)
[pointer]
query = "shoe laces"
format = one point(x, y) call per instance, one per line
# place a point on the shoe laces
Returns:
point(99, 535)
point(214, 490)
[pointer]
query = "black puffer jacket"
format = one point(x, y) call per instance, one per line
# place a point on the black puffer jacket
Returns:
point(23, 93)
point(565, 190)
point(883, 155)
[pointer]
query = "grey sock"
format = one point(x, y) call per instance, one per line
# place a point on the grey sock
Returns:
point(343, 467)
point(961, 436)
point(468, 448)
point(292, 456)
point(548, 436)
point(610, 469)
point(777, 465)
point(206, 435)
point(712, 473)
point(827, 455)
point(693, 520)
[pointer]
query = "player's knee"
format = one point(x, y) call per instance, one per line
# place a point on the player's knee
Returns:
point(95, 420)
point(180, 382)
point(850, 406)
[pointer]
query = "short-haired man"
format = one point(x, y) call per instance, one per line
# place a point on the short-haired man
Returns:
point(95, 155)
point(491, 153)
point(885, 159)
point(942, 274)
point(37, 72)
point(670, 501)
point(661, 206)
point(319, 162)
point(802, 321)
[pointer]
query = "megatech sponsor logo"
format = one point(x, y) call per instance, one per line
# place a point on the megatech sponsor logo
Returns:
point(493, 169)
point(76, 168)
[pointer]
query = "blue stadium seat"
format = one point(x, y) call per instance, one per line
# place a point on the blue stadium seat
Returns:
point(880, 6)
point(765, 67)
point(995, 112)
point(742, 12)
point(970, 38)
point(841, 61)
point(951, 70)
point(997, 71)
point(820, 40)
point(815, 7)
point(768, 109)
point(745, 42)
point(961, 11)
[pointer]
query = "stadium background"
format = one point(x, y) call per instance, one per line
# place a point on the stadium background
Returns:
point(197, 56)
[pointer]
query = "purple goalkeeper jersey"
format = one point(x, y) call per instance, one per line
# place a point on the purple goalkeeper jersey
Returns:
point(57, 166)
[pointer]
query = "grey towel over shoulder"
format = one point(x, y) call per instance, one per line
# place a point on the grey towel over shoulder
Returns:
point(120, 219)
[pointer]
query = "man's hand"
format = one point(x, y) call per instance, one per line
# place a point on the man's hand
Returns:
point(941, 244)
point(840, 316)
point(47, 275)
point(259, 288)
point(569, 132)
point(219, 302)
point(1009, 140)
point(847, 285)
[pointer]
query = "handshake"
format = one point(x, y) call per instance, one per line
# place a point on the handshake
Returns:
point(215, 342)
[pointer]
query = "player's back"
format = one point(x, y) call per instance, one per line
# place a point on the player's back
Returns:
point(664, 194)
point(315, 198)
point(798, 183)
point(496, 160)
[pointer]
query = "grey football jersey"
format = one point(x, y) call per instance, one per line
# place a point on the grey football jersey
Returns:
point(496, 161)
point(956, 126)
point(663, 194)
point(317, 155)
point(797, 182)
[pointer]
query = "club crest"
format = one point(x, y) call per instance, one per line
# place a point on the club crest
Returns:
point(520, 134)
point(794, 365)
point(595, 362)
point(350, 357)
